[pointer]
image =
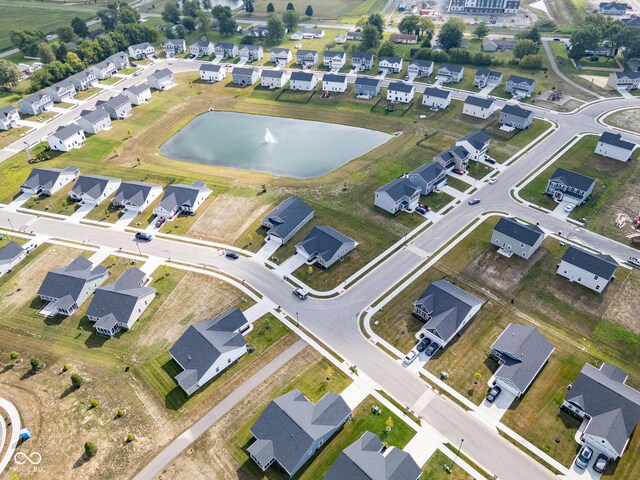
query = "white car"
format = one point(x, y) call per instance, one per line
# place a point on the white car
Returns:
point(568, 208)
point(634, 261)
point(493, 180)
point(410, 357)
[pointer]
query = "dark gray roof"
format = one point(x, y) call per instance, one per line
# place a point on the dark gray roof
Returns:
point(66, 83)
point(613, 5)
point(138, 89)
point(391, 59)
point(448, 306)
point(524, 351)
point(7, 109)
point(83, 75)
point(519, 79)
point(67, 132)
point(363, 460)
point(225, 45)
point(421, 63)
point(178, 194)
point(115, 102)
point(277, 50)
point(291, 423)
point(482, 72)
point(10, 251)
point(451, 68)
point(203, 42)
point(602, 265)
point(436, 92)
point(36, 97)
point(94, 116)
point(243, 71)
point(91, 185)
point(613, 406)
point(631, 75)
point(429, 171)
point(479, 101)
point(208, 67)
point(250, 47)
point(267, 73)
point(287, 216)
point(324, 242)
point(477, 139)
point(522, 232)
point(399, 188)
point(202, 344)
point(67, 283)
point(162, 73)
point(451, 153)
point(516, 111)
point(44, 177)
point(133, 193)
point(358, 56)
point(329, 53)
point(141, 46)
point(118, 56)
point(331, 77)
point(573, 179)
point(115, 302)
point(302, 76)
point(302, 53)
point(400, 87)
point(174, 41)
point(615, 139)
point(370, 82)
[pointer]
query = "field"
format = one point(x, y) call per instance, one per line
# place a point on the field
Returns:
point(627, 119)
point(567, 12)
point(322, 11)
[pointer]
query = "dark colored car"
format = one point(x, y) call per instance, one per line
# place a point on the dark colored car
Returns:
point(601, 463)
point(557, 40)
point(473, 201)
point(583, 457)
point(490, 160)
point(426, 207)
point(423, 344)
point(493, 394)
point(147, 237)
point(132, 64)
point(431, 349)
point(232, 255)
point(421, 210)
point(160, 222)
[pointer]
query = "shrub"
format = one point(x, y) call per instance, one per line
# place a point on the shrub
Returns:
point(65, 367)
point(119, 413)
point(76, 380)
point(94, 403)
point(14, 355)
point(130, 438)
point(36, 364)
point(90, 449)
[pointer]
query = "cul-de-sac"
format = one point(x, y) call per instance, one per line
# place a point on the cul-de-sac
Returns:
point(319, 239)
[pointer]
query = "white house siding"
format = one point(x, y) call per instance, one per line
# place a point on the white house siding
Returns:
point(600, 444)
point(94, 128)
point(220, 365)
point(584, 278)
point(75, 141)
point(334, 87)
point(476, 111)
point(438, 102)
point(508, 385)
point(512, 245)
point(111, 187)
point(303, 85)
point(612, 151)
point(8, 265)
point(402, 97)
point(384, 201)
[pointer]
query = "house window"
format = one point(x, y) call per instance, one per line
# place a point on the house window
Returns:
point(228, 360)
point(217, 369)
point(595, 277)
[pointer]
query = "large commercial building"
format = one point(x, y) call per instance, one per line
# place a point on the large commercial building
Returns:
point(484, 7)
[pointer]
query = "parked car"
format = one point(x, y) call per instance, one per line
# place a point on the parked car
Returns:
point(406, 77)
point(133, 64)
point(458, 171)
point(493, 180)
point(557, 40)
point(137, 72)
point(192, 56)
point(147, 237)
point(583, 457)
point(421, 210)
point(568, 208)
point(601, 462)
point(490, 160)
point(232, 255)
point(301, 293)
point(634, 261)
point(410, 357)
point(30, 248)
point(493, 393)
point(160, 222)
point(426, 207)
point(423, 344)
point(474, 200)
point(431, 349)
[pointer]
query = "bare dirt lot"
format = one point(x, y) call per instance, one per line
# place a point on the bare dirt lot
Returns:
point(627, 119)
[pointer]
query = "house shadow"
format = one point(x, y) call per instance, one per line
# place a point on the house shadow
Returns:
point(95, 340)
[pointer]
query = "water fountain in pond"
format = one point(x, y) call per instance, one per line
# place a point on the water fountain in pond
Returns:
point(269, 139)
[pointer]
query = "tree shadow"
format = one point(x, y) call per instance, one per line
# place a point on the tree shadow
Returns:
point(28, 374)
point(68, 391)
point(7, 368)
point(81, 461)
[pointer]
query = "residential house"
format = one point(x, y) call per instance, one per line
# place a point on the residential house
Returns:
point(362, 61)
point(261, 31)
point(93, 189)
point(334, 83)
point(493, 45)
point(250, 53)
point(284, 221)
point(308, 33)
point(476, 143)
point(515, 116)
point(493, 7)
point(10, 255)
point(520, 87)
point(135, 196)
point(355, 35)
point(47, 181)
point(207, 348)
point(514, 237)
point(436, 98)
point(94, 121)
point(180, 198)
point(244, 76)
point(103, 70)
point(521, 352)
point(174, 46)
point(403, 38)
point(274, 78)
point(84, 80)
point(591, 270)
point(446, 309)
point(370, 459)
point(456, 157)
point(61, 91)
point(479, 107)
point(400, 92)
point(390, 64)
point(120, 304)
point(487, 78)
point(367, 87)
point(66, 138)
point(608, 407)
point(324, 246)
point(120, 60)
point(570, 186)
point(141, 51)
point(304, 81)
point(35, 103)
point(624, 80)
point(292, 429)
point(334, 60)
point(612, 8)
point(161, 79)
point(429, 177)
point(420, 68)
point(306, 58)
point(212, 73)
point(66, 288)
point(202, 48)
point(448, 73)
point(631, 22)
point(226, 50)
point(9, 117)
point(138, 94)
point(397, 195)
point(280, 56)
point(611, 145)
point(117, 107)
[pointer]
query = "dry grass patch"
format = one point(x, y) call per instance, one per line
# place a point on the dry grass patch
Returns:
point(627, 119)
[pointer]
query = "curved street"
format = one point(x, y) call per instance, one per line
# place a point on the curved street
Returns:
point(12, 443)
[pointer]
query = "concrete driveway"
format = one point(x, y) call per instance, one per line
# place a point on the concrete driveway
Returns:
point(495, 411)
point(559, 212)
point(588, 473)
point(291, 264)
point(268, 249)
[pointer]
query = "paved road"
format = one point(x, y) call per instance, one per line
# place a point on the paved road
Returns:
point(14, 416)
point(554, 67)
point(190, 435)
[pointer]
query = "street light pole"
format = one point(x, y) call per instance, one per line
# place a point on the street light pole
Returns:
point(10, 224)
point(297, 321)
point(457, 454)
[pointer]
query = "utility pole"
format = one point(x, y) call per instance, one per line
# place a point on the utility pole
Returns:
point(457, 454)
point(297, 320)
point(10, 224)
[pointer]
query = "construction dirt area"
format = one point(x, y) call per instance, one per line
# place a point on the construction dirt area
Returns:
point(626, 119)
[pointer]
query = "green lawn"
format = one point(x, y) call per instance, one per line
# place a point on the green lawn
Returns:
point(458, 184)
point(111, 81)
point(437, 201)
point(84, 94)
point(7, 137)
point(434, 469)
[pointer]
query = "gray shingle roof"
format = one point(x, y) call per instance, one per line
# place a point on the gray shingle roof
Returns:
point(277, 50)
point(302, 52)
point(421, 63)
point(452, 153)
point(207, 67)
point(7, 109)
point(370, 82)
point(479, 101)
point(226, 45)
point(573, 179)
point(429, 171)
point(399, 188)
point(133, 193)
point(140, 46)
point(43, 177)
point(302, 76)
point(287, 216)
point(436, 92)
point(202, 43)
point(67, 132)
point(615, 139)
point(400, 87)
point(162, 73)
point(524, 351)
point(391, 59)
point(243, 71)
point(67, 283)
point(451, 68)
point(83, 75)
point(360, 56)
point(116, 101)
point(138, 89)
point(324, 242)
point(329, 53)
point(94, 116)
point(291, 423)
point(519, 79)
point(36, 97)
point(91, 185)
point(178, 194)
point(516, 111)
point(203, 343)
point(477, 139)
point(266, 73)
point(363, 460)
point(613, 406)
point(448, 306)
point(10, 251)
point(331, 77)
point(602, 265)
point(250, 47)
point(522, 232)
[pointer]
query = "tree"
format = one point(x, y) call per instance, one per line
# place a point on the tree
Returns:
point(309, 270)
point(58, 70)
point(171, 14)
point(309, 11)
point(423, 54)
point(290, 6)
point(480, 58)
point(65, 33)
point(130, 438)
point(204, 22)
point(90, 449)
point(189, 24)
point(440, 56)
point(275, 29)
point(451, 34)
point(39, 80)
point(190, 8)
point(119, 413)
point(584, 38)
point(426, 26)
point(12, 355)
point(389, 424)
point(249, 8)
point(459, 55)
point(227, 25)
point(409, 24)
point(36, 364)
point(370, 37)
point(271, 8)
point(377, 21)
point(387, 49)
point(86, 51)
point(531, 62)
point(481, 30)
point(291, 18)
point(129, 15)
point(27, 41)
point(45, 52)
point(533, 35)
point(79, 27)
point(60, 50)
point(76, 380)
point(525, 47)
point(108, 18)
